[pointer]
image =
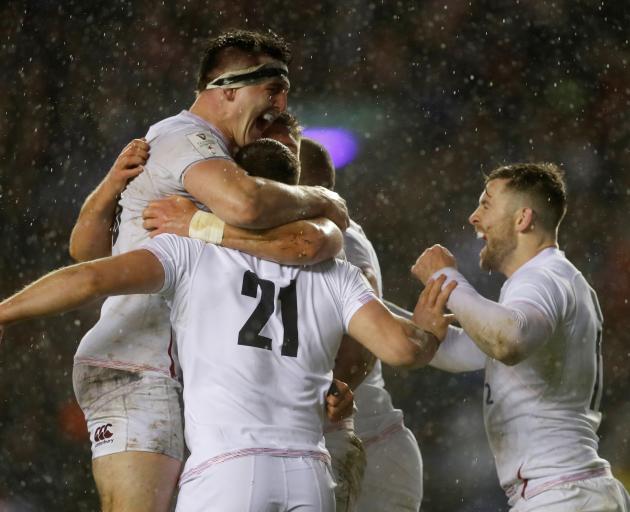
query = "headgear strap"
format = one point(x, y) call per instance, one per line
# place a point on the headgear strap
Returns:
point(250, 76)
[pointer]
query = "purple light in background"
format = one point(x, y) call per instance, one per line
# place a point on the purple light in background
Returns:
point(342, 144)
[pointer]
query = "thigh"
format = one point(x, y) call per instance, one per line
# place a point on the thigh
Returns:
point(136, 481)
point(260, 483)
point(309, 485)
point(128, 411)
point(393, 476)
point(136, 430)
point(348, 467)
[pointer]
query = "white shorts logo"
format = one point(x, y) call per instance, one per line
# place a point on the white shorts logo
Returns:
point(102, 434)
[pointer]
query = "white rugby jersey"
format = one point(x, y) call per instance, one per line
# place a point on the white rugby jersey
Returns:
point(541, 414)
point(133, 332)
point(257, 343)
point(375, 411)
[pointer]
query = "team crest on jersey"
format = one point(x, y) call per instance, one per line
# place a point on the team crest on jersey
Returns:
point(206, 143)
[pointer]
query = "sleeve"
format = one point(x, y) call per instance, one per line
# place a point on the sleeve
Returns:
point(458, 353)
point(178, 255)
point(517, 323)
point(355, 291)
point(359, 252)
point(174, 153)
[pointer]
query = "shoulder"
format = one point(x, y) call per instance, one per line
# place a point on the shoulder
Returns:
point(181, 135)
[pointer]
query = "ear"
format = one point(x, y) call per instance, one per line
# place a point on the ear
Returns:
point(524, 220)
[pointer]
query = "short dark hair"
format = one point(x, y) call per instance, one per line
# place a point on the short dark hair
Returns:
point(229, 44)
point(268, 158)
point(317, 165)
point(543, 182)
point(291, 123)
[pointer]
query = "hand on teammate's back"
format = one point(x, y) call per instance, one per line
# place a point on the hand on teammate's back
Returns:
point(339, 401)
point(431, 260)
point(429, 313)
point(128, 165)
point(169, 215)
point(336, 208)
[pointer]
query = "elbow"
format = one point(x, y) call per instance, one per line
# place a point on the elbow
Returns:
point(77, 252)
point(507, 352)
point(318, 244)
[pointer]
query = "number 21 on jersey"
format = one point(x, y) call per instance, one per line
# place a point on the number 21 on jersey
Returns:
point(249, 334)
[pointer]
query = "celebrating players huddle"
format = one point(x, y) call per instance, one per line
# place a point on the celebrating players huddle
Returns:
point(228, 316)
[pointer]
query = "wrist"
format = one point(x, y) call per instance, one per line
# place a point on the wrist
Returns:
point(207, 227)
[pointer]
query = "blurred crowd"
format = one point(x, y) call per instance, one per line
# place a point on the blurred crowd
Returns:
point(437, 92)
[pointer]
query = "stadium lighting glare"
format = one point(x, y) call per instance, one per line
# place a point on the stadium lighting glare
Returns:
point(341, 143)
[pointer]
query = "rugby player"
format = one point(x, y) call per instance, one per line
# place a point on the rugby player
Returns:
point(257, 342)
point(540, 345)
point(125, 374)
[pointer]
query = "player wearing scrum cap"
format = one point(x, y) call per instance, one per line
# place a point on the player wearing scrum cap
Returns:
point(257, 342)
point(125, 373)
point(540, 346)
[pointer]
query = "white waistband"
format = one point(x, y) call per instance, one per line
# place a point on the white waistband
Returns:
point(271, 452)
point(529, 488)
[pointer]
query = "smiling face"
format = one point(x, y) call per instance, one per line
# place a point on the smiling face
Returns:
point(255, 107)
point(493, 221)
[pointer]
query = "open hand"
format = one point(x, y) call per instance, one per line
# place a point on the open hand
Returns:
point(169, 215)
point(128, 165)
point(430, 311)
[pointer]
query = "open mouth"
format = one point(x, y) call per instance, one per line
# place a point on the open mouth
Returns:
point(265, 120)
point(481, 236)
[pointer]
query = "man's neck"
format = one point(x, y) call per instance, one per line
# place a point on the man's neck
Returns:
point(525, 251)
point(201, 109)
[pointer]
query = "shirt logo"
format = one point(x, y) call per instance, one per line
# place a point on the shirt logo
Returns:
point(206, 144)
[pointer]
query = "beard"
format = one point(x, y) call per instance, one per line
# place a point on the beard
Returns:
point(496, 251)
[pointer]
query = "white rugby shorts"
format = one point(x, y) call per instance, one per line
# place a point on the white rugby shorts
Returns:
point(260, 483)
point(393, 476)
point(128, 411)
point(599, 494)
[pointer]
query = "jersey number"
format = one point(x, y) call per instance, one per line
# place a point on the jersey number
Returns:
point(250, 333)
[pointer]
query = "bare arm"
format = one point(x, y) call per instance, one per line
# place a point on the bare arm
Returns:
point(71, 287)
point(394, 340)
point(353, 363)
point(457, 352)
point(245, 201)
point(303, 242)
point(398, 341)
point(91, 236)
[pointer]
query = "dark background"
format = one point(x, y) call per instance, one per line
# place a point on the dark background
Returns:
point(437, 92)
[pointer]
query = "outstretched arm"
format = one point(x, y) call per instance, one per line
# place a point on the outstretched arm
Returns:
point(398, 341)
point(506, 332)
point(457, 352)
point(71, 287)
point(91, 236)
point(303, 242)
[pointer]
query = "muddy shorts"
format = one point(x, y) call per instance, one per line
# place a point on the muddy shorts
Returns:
point(128, 411)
